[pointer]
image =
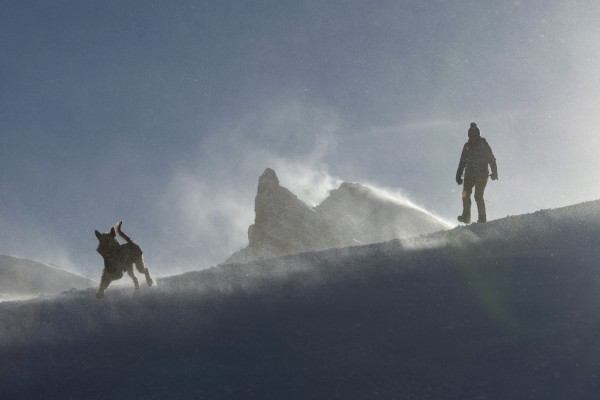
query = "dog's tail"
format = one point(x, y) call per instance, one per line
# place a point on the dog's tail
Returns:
point(120, 232)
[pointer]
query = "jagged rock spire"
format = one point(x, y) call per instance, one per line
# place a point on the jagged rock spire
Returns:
point(269, 177)
point(352, 214)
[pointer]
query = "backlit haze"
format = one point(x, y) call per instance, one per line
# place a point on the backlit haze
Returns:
point(164, 114)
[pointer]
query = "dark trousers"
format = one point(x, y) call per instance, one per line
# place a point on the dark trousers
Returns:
point(479, 185)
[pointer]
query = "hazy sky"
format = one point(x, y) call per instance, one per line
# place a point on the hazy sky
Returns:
point(164, 113)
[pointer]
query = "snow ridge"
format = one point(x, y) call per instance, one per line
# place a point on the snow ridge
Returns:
point(503, 310)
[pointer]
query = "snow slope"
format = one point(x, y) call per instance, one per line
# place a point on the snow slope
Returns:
point(505, 310)
point(21, 278)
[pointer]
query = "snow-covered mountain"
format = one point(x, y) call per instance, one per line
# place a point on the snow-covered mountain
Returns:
point(503, 310)
point(21, 278)
point(352, 214)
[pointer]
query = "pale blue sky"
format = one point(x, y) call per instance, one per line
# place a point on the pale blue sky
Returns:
point(164, 113)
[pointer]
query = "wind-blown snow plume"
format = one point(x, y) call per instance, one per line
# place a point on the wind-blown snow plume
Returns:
point(205, 213)
point(207, 206)
point(399, 198)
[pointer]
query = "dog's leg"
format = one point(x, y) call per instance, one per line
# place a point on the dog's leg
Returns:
point(132, 276)
point(139, 264)
point(100, 292)
point(104, 282)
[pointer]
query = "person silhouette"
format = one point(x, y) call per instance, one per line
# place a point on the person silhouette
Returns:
point(474, 160)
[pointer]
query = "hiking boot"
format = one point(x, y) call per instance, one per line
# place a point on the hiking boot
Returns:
point(481, 221)
point(464, 220)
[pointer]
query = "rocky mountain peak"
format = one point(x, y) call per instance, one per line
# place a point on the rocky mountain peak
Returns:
point(352, 214)
point(272, 200)
point(267, 179)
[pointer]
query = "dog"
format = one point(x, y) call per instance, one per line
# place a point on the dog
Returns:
point(119, 258)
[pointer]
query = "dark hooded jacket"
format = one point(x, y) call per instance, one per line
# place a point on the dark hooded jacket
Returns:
point(475, 158)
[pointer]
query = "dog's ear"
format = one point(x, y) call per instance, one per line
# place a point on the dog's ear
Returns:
point(112, 232)
point(98, 234)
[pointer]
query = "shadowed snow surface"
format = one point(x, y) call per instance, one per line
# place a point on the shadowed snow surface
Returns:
point(505, 310)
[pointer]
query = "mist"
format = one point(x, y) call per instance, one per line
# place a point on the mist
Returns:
point(166, 116)
point(206, 215)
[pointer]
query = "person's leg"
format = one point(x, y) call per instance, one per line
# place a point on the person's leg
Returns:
point(479, 190)
point(466, 200)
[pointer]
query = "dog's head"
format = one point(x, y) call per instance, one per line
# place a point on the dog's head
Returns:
point(108, 241)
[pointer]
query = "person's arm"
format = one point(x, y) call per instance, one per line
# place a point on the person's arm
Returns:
point(461, 165)
point(492, 161)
